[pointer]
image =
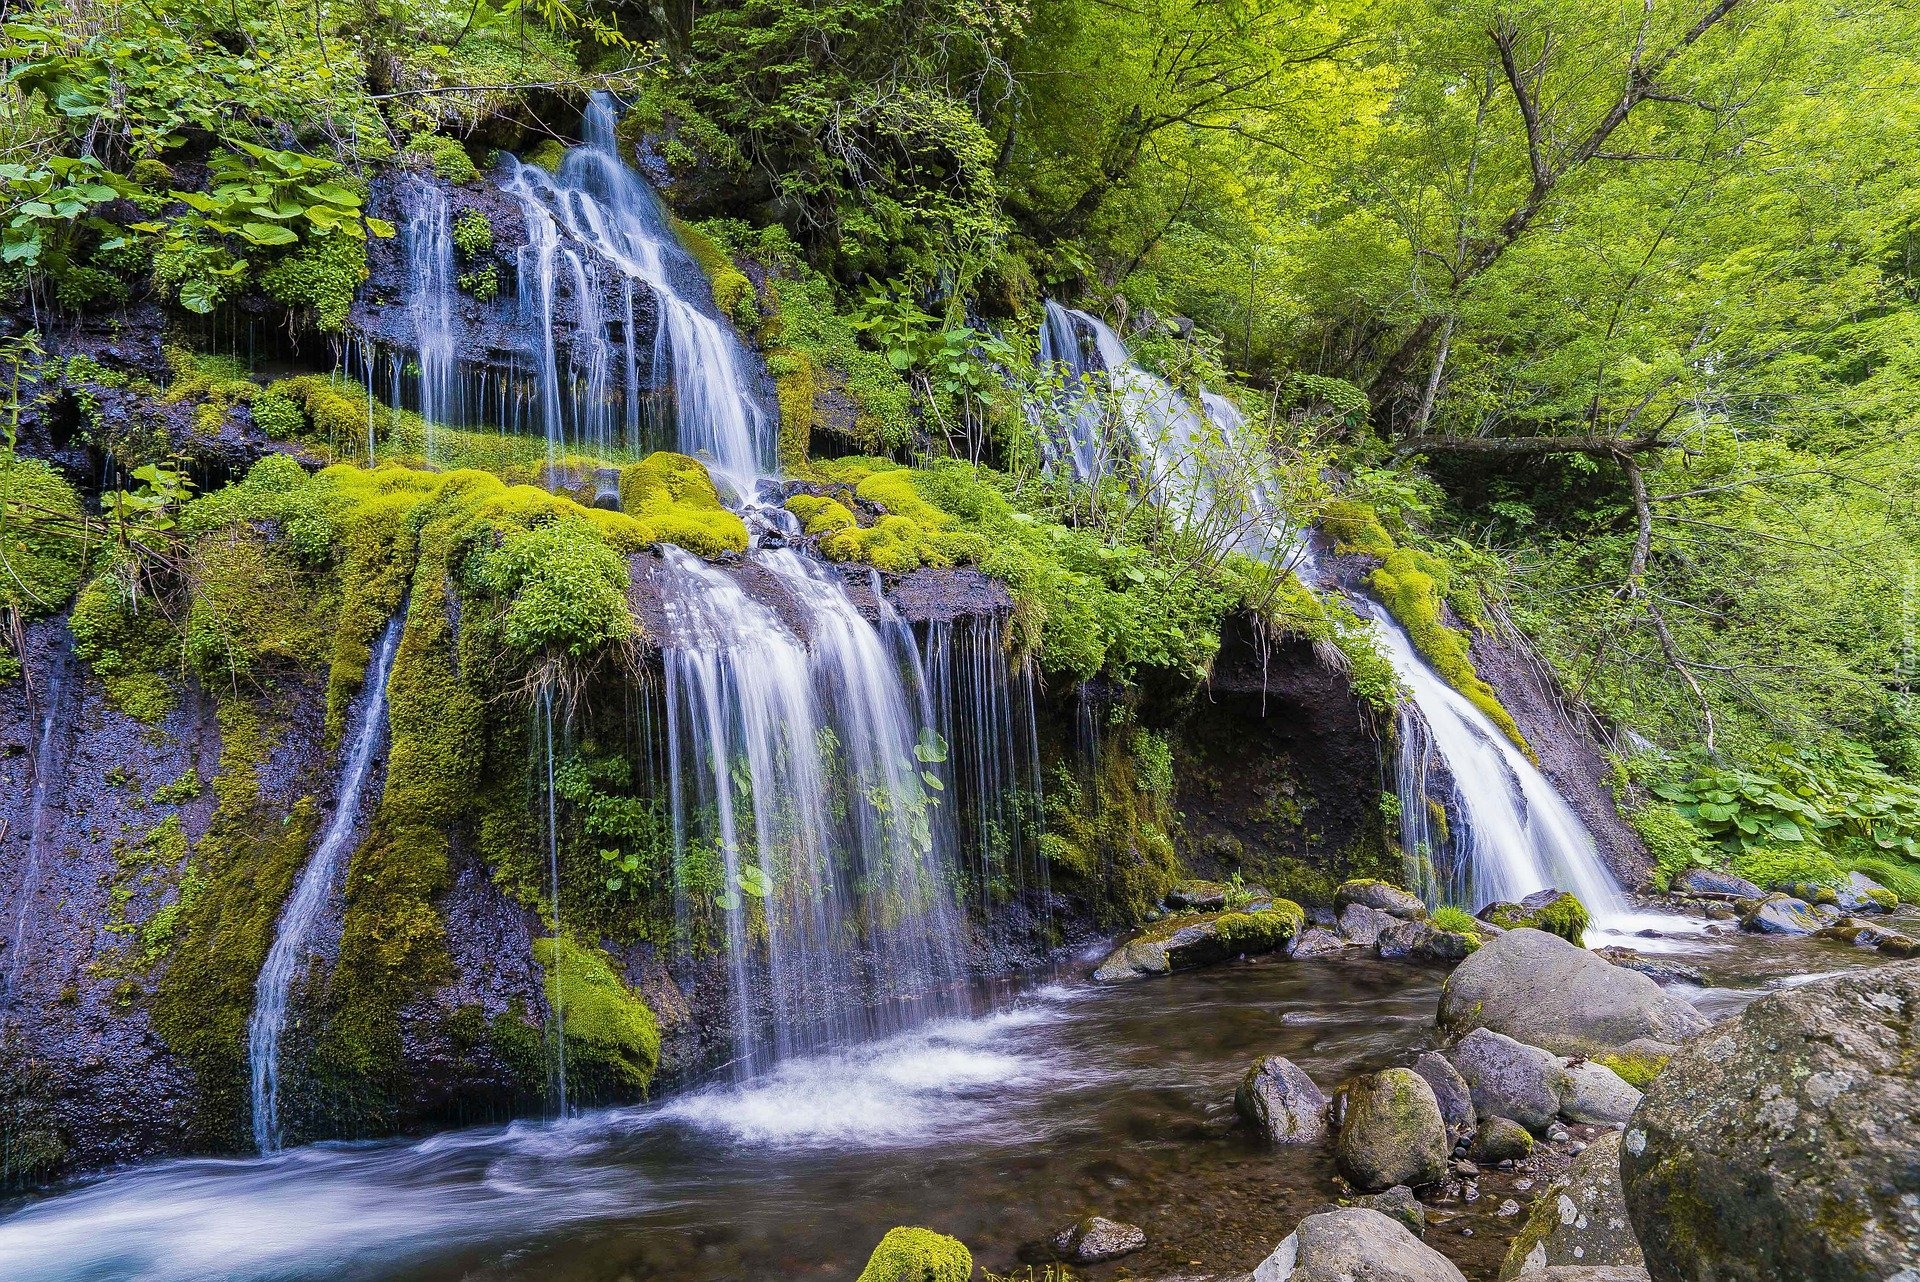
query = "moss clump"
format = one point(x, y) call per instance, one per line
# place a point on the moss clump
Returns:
point(820, 515)
point(1412, 584)
point(612, 1038)
point(795, 384)
point(918, 1255)
point(40, 551)
point(1455, 921)
point(547, 154)
point(1108, 833)
point(1566, 917)
point(129, 645)
point(733, 293)
point(566, 590)
point(1355, 527)
point(447, 157)
point(1634, 1069)
point(672, 499)
point(1262, 931)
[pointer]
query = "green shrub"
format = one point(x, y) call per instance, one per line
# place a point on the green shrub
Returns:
point(321, 275)
point(565, 589)
point(40, 544)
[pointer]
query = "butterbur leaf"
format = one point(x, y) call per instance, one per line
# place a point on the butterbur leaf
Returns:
point(932, 781)
point(268, 234)
point(381, 228)
point(754, 881)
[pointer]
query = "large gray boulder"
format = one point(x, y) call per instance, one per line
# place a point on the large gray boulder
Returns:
point(1537, 986)
point(1278, 1098)
point(1511, 1079)
point(1390, 1131)
point(1363, 925)
point(1451, 1092)
point(1381, 896)
point(1783, 1144)
point(1354, 1244)
point(1600, 1096)
point(1580, 1218)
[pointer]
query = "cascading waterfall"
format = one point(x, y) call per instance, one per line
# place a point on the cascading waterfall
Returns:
point(1510, 832)
point(46, 768)
point(798, 810)
point(595, 229)
point(427, 238)
point(292, 942)
point(984, 707)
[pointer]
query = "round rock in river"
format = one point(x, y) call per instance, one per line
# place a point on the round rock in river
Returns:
point(1532, 985)
point(1354, 1243)
point(1279, 1098)
point(1097, 1238)
point(1391, 1131)
point(1784, 1144)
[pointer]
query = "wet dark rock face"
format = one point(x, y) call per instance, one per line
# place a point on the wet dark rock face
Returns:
point(1278, 773)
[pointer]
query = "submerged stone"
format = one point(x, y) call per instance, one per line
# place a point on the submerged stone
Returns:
point(1096, 1238)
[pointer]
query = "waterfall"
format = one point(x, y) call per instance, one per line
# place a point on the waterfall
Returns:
point(292, 942)
point(799, 810)
point(595, 229)
point(46, 768)
point(427, 239)
point(1512, 833)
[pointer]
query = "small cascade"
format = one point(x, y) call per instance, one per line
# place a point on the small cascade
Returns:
point(46, 768)
point(427, 239)
point(293, 940)
point(595, 230)
point(1509, 831)
point(799, 811)
point(984, 707)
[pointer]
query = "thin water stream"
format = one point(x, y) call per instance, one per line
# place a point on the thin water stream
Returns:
point(1055, 1100)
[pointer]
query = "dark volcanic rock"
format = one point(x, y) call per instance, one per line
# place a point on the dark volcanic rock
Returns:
point(1782, 1144)
point(1709, 881)
point(944, 595)
point(1418, 941)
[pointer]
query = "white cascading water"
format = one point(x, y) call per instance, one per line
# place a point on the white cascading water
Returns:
point(1512, 831)
point(293, 940)
point(427, 239)
point(597, 229)
point(791, 754)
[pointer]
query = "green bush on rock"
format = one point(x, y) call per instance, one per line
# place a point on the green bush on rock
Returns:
point(918, 1255)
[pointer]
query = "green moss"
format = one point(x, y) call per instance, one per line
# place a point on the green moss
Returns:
point(1636, 1070)
point(130, 647)
point(1566, 917)
point(40, 549)
point(472, 233)
point(1412, 584)
point(795, 385)
point(221, 928)
point(1108, 837)
point(918, 1255)
point(612, 1038)
point(733, 293)
point(1455, 921)
point(671, 497)
point(547, 154)
point(1261, 931)
point(566, 590)
point(447, 157)
point(1355, 527)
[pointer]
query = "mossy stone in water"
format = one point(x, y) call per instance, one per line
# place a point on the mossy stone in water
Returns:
point(918, 1255)
point(1391, 1131)
point(1556, 912)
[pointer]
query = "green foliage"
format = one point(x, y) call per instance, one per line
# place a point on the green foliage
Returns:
point(1830, 798)
point(445, 156)
point(567, 589)
point(320, 276)
point(1261, 931)
point(1457, 921)
point(918, 1255)
point(40, 555)
point(472, 234)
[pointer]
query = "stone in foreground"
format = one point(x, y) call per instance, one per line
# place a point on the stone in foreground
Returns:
point(1578, 1219)
point(1390, 1132)
point(1097, 1238)
point(1501, 1139)
point(1400, 1205)
point(1278, 1098)
point(1532, 985)
point(1782, 1143)
point(1600, 1096)
point(1351, 1244)
point(1452, 1093)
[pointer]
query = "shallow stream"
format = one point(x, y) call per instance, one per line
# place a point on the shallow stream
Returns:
point(1057, 1100)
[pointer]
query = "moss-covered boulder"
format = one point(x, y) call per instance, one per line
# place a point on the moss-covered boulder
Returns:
point(1557, 912)
point(613, 1041)
point(1783, 915)
point(918, 1255)
point(1391, 1131)
point(1180, 943)
point(1862, 894)
point(673, 496)
point(1781, 1144)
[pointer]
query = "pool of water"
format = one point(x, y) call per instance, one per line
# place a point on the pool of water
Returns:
point(1060, 1099)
